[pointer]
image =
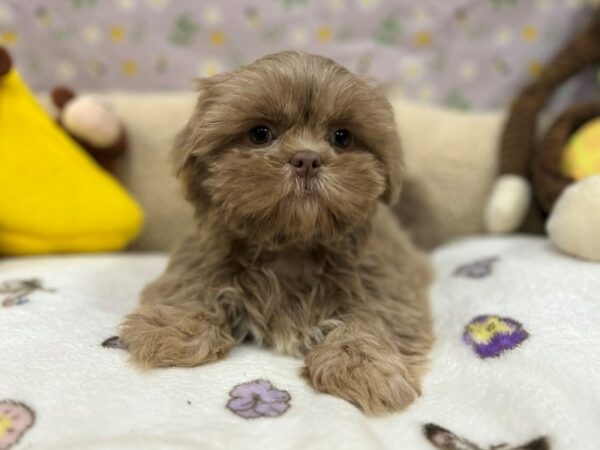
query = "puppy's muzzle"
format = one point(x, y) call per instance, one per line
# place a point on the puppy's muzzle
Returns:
point(306, 163)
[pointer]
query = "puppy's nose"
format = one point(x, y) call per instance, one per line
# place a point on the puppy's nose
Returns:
point(306, 163)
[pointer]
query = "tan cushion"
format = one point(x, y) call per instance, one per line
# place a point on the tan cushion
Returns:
point(451, 163)
point(152, 121)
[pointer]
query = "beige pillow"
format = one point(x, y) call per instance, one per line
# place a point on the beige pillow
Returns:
point(152, 121)
point(451, 163)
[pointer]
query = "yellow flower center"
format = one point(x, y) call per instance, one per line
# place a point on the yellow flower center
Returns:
point(217, 38)
point(117, 33)
point(5, 425)
point(534, 68)
point(423, 39)
point(324, 34)
point(529, 33)
point(483, 332)
point(9, 37)
point(129, 68)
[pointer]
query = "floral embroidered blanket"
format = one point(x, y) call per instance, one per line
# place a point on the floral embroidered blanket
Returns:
point(516, 364)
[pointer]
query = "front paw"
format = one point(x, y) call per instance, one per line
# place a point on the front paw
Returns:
point(165, 336)
point(373, 378)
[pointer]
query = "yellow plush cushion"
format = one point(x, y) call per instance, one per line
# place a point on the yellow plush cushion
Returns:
point(53, 196)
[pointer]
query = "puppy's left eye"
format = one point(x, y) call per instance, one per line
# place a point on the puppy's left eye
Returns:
point(341, 138)
point(260, 135)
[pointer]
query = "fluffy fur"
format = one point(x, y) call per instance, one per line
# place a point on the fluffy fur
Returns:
point(315, 267)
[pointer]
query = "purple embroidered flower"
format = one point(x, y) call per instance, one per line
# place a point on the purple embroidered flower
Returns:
point(492, 335)
point(114, 342)
point(258, 398)
point(477, 269)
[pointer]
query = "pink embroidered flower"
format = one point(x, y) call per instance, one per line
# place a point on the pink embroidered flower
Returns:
point(258, 398)
point(15, 419)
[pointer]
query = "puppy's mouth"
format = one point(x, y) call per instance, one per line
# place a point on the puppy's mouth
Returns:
point(293, 200)
point(307, 186)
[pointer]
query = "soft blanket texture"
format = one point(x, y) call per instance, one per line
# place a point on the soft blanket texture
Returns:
point(516, 360)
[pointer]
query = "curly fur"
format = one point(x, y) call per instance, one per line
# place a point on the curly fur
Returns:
point(310, 267)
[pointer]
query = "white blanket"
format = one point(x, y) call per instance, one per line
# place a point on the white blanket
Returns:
point(528, 369)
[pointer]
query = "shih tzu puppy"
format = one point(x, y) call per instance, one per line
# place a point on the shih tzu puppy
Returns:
point(290, 163)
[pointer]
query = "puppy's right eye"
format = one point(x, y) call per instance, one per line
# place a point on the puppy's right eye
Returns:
point(260, 135)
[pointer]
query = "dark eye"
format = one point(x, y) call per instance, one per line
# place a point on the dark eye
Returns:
point(341, 139)
point(260, 135)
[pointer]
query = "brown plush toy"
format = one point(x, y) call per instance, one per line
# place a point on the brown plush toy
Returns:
point(93, 124)
point(5, 62)
point(88, 120)
point(563, 167)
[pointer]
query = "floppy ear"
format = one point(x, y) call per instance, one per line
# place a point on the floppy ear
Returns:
point(186, 141)
point(389, 146)
point(186, 166)
point(189, 144)
point(182, 148)
point(394, 166)
point(189, 139)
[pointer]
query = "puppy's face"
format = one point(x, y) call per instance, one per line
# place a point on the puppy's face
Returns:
point(290, 149)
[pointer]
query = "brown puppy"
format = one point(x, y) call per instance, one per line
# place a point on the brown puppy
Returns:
point(286, 161)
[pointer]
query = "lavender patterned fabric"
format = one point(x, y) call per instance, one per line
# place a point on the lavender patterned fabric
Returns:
point(462, 53)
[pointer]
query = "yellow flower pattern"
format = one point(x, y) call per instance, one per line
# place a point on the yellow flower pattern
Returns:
point(117, 33)
point(9, 37)
point(217, 38)
point(529, 33)
point(129, 68)
point(534, 68)
point(423, 39)
point(324, 34)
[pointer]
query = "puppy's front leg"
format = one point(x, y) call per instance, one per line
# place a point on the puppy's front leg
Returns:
point(175, 325)
point(162, 335)
point(357, 362)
